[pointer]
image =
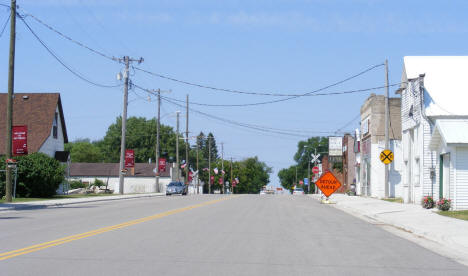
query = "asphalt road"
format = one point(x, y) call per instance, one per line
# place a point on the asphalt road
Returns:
point(207, 235)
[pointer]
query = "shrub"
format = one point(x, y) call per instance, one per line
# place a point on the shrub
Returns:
point(444, 204)
point(428, 202)
point(38, 175)
point(76, 184)
point(98, 182)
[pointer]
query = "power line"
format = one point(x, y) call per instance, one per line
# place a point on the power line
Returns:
point(251, 126)
point(61, 62)
point(290, 96)
point(70, 39)
point(4, 25)
point(258, 128)
point(269, 102)
point(348, 123)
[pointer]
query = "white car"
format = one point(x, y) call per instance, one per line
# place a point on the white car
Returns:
point(263, 192)
point(298, 191)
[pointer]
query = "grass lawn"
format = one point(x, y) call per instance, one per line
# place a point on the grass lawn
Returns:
point(455, 214)
point(28, 199)
point(396, 199)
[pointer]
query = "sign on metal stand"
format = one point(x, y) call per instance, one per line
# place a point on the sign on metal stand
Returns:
point(328, 184)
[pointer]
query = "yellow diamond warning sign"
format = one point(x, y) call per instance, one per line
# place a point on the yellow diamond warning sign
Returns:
point(328, 183)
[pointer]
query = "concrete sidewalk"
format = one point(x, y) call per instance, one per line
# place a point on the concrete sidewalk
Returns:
point(67, 201)
point(449, 234)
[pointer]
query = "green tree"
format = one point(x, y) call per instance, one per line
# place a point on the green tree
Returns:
point(84, 151)
point(210, 141)
point(141, 137)
point(38, 175)
point(252, 174)
point(287, 177)
point(302, 157)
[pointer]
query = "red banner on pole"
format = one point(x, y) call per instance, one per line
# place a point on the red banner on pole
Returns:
point(129, 158)
point(212, 179)
point(220, 181)
point(20, 140)
point(162, 164)
point(190, 176)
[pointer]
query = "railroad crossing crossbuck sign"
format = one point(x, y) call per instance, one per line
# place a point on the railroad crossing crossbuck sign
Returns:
point(328, 184)
point(386, 156)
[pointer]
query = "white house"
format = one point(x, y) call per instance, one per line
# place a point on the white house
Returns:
point(372, 170)
point(434, 120)
point(141, 179)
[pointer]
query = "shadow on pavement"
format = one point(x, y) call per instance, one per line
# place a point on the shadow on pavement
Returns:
point(25, 206)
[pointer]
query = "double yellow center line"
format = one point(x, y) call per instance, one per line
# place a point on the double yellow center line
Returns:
point(37, 247)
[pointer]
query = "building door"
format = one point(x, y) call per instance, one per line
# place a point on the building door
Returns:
point(444, 176)
point(410, 173)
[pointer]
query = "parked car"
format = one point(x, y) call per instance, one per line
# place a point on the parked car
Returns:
point(263, 192)
point(176, 187)
point(298, 191)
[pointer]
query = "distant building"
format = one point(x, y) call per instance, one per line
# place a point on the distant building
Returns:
point(434, 120)
point(42, 114)
point(373, 142)
point(357, 162)
point(140, 179)
point(349, 161)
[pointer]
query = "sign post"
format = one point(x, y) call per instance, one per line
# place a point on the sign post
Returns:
point(328, 184)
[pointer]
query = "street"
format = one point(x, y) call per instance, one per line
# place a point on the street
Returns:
point(207, 235)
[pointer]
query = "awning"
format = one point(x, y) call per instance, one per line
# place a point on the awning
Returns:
point(449, 132)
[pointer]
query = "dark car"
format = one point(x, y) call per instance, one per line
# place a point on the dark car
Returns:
point(176, 188)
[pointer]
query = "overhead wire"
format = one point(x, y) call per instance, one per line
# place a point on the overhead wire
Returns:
point(290, 96)
point(60, 61)
point(268, 102)
point(4, 25)
point(348, 123)
point(71, 39)
point(251, 126)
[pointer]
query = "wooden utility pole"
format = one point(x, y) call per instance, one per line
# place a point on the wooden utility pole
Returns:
point(198, 172)
point(232, 187)
point(209, 165)
point(177, 147)
point(387, 123)
point(186, 143)
point(222, 167)
point(11, 85)
point(124, 127)
point(126, 60)
point(158, 126)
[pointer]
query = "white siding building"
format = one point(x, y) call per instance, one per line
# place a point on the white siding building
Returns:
point(140, 179)
point(372, 170)
point(435, 129)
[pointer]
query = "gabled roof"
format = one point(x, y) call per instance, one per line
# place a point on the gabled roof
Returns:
point(449, 132)
point(112, 169)
point(36, 111)
point(446, 92)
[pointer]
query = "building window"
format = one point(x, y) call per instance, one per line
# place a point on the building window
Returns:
point(54, 126)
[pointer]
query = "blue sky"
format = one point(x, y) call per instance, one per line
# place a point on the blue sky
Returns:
point(277, 46)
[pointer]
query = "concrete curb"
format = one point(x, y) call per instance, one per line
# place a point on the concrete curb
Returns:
point(68, 201)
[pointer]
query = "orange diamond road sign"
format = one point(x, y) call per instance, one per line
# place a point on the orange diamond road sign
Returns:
point(328, 183)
